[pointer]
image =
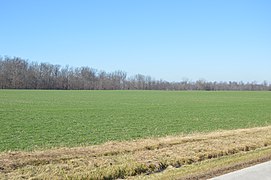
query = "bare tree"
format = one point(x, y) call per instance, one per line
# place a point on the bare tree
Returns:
point(17, 73)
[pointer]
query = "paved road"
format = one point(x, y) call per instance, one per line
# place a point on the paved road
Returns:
point(258, 172)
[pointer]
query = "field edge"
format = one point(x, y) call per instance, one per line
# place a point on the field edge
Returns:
point(172, 156)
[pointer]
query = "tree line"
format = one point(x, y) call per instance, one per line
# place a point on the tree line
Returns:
point(18, 73)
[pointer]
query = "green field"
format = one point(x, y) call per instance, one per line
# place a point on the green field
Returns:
point(37, 119)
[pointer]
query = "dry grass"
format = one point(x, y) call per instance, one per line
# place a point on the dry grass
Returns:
point(132, 158)
point(213, 167)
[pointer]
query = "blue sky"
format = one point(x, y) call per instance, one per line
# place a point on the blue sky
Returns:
point(215, 40)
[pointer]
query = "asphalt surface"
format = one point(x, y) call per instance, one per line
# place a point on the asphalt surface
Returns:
point(259, 172)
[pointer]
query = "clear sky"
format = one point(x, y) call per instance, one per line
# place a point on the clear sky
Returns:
point(215, 40)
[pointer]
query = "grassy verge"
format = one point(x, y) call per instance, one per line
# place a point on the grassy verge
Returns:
point(172, 156)
point(213, 167)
